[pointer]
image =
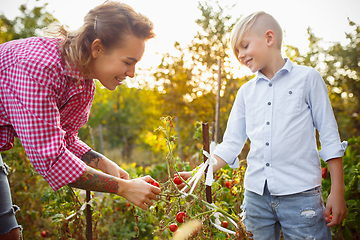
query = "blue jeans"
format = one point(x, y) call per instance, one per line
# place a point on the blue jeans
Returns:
point(299, 216)
point(7, 209)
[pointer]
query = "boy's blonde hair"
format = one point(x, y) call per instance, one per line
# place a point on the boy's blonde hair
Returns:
point(112, 22)
point(261, 22)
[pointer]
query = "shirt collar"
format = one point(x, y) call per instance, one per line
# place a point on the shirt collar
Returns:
point(287, 67)
point(72, 72)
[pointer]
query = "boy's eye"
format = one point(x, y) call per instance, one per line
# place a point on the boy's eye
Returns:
point(127, 63)
point(246, 46)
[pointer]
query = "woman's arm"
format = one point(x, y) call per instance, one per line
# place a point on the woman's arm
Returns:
point(138, 191)
point(99, 161)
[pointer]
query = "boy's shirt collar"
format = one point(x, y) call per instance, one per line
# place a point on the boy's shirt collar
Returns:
point(287, 67)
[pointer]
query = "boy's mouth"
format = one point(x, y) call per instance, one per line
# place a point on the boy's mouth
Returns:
point(248, 62)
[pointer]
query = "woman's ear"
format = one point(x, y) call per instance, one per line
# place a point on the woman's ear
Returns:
point(96, 48)
point(270, 37)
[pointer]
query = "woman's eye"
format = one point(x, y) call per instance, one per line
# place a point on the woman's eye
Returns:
point(246, 46)
point(127, 63)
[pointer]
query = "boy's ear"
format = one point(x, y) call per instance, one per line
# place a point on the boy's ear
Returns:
point(270, 37)
point(96, 48)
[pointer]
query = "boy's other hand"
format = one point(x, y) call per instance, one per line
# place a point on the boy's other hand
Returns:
point(335, 211)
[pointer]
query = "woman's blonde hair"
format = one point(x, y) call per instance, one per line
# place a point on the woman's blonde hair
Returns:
point(243, 27)
point(111, 22)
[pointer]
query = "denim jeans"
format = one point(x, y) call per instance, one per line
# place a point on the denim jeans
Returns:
point(7, 209)
point(299, 216)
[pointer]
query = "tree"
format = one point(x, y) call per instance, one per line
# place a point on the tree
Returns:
point(343, 75)
point(26, 25)
point(340, 68)
point(126, 115)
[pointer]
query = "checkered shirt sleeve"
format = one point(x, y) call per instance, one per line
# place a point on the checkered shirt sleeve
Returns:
point(43, 104)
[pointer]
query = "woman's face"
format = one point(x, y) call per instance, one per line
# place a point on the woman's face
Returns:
point(112, 67)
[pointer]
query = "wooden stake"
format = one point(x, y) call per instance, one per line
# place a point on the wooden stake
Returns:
point(206, 147)
point(88, 217)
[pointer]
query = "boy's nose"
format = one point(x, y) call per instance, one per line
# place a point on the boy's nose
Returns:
point(241, 55)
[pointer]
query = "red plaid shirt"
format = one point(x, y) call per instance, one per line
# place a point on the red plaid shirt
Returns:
point(44, 104)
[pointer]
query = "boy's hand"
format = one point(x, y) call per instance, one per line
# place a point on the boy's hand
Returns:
point(337, 206)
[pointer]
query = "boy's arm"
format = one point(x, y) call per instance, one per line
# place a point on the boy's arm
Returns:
point(220, 163)
point(187, 175)
point(336, 201)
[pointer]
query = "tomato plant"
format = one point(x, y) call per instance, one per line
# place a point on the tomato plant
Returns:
point(350, 228)
point(177, 205)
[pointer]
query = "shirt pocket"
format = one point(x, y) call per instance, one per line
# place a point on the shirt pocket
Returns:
point(289, 101)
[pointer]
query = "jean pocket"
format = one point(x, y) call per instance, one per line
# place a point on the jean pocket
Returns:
point(312, 192)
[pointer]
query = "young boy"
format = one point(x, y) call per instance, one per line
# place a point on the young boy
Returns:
point(278, 111)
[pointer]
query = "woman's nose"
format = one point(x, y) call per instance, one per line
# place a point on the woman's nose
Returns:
point(131, 71)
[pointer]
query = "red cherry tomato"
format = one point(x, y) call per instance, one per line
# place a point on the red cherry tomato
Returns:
point(156, 184)
point(329, 220)
point(324, 172)
point(228, 184)
point(177, 180)
point(224, 224)
point(43, 233)
point(180, 217)
point(173, 227)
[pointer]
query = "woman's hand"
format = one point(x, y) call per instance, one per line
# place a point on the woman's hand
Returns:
point(139, 191)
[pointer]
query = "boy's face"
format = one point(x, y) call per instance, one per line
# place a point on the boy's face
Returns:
point(253, 51)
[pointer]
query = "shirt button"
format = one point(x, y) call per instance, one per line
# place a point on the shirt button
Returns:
point(290, 92)
point(270, 84)
point(267, 123)
point(267, 143)
point(80, 87)
point(269, 103)
point(267, 164)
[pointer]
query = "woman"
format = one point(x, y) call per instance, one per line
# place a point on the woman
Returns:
point(46, 92)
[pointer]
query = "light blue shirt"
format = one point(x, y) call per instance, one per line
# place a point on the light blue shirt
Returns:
point(279, 116)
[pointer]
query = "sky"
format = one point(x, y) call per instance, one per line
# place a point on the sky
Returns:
point(175, 20)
